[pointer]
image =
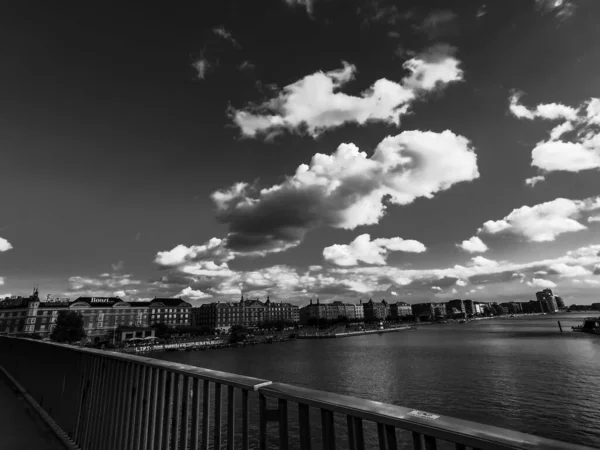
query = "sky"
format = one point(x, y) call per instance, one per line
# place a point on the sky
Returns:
point(337, 149)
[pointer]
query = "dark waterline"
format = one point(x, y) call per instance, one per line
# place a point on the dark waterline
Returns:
point(517, 373)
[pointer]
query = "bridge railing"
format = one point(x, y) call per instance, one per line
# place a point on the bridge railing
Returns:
point(105, 400)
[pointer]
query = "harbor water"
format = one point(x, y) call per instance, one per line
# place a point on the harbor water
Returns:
point(519, 373)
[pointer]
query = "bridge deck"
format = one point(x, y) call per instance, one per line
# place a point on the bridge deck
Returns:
point(20, 427)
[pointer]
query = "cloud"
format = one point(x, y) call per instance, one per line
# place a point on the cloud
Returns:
point(213, 250)
point(534, 180)
point(314, 103)
point(308, 4)
point(593, 219)
point(582, 152)
point(473, 245)
point(436, 288)
point(225, 34)
point(565, 270)
point(344, 190)
point(540, 283)
point(119, 265)
point(105, 284)
point(363, 249)
point(481, 12)
point(202, 66)
point(562, 9)
point(5, 245)
point(545, 221)
point(192, 294)
point(438, 23)
point(2, 279)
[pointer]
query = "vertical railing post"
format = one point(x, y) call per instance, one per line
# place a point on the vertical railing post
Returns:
point(120, 413)
point(230, 418)
point(359, 435)
point(283, 424)
point(84, 386)
point(392, 442)
point(186, 412)
point(196, 411)
point(156, 440)
point(430, 442)
point(138, 418)
point(149, 405)
point(169, 406)
point(245, 421)
point(304, 422)
point(218, 406)
point(328, 429)
point(175, 433)
point(381, 436)
point(205, 415)
point(262, 405)
point(132, 412)
point(351, 434)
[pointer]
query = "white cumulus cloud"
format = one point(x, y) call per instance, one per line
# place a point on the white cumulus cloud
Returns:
point(308, 4)
point(5, 245)
point(315, 104)
point(534, 180)
point(473, 245)
point(545, 221)
point(581, 152)
point(368, 251)
point(192, 294)
point(541, 283)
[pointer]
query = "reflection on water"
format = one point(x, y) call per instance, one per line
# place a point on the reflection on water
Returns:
point(518, 373)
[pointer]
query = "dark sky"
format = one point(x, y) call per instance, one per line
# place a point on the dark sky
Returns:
point(112, 142)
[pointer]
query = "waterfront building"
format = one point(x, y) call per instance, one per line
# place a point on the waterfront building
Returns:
point(400, 309)
point(560, 303)
point(376, 310)
point(249, 313)
point(330, 311)
point(595, 306)
point(470, 307)
point(456, 307)
point(547, 300)
point(101, 315)
point(512, 307)
point(532, 306)
point(429, 311)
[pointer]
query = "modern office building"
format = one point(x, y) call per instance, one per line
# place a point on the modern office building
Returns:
point(456, 307)
point(547, 301)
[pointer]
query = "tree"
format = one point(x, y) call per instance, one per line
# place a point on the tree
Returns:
point(69, 327)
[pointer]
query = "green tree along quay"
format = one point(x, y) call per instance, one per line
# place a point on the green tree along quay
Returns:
point(69, 327)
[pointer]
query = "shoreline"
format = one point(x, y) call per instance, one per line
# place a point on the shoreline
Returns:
point(353, 333)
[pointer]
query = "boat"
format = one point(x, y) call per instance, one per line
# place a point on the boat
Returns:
point(590, 325)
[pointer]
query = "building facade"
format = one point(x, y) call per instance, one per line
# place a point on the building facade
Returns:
point(249, 313)
point(376, 310)
point(330, 311)
point(456, 307)
point(400, 309)
point(101, 315)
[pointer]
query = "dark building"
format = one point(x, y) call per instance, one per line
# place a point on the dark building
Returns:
point(456, 307)
point(560, 302)
point(429, 311)
point(469, 307)
point(376, 310)
point(512, 307)
point(532, 306)
point(547, 301)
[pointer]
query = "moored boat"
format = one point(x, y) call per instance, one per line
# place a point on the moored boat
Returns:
point(590, 325)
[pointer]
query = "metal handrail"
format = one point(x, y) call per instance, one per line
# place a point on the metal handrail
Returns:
point(104, 399)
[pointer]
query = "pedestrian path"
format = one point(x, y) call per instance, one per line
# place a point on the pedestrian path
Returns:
point(20, 426)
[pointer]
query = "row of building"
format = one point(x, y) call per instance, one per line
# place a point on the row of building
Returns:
point(103, 315)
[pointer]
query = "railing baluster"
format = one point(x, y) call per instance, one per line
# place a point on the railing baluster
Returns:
point(417, 441)
point(283, 424)
point(131, 418)
point(390, 432)
point(82, 396)
point(94, 402)
point(351, 437)
point(169, 407)
point(328, 429)
point(262, 405)
point(107, 408)
point(186, 412)
point(382, 436)
point(218, 405)
point(196, 408)
point(230, 418)
point(141, 407)
point(430, 443)
point(461, 447)
point(89, 409)
point(175, 433)
point(359, 434)
point(150, 395)
point(123, 390)
point(304, 420)
point(245, 421)
point(157, 439)
point(205, 415)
